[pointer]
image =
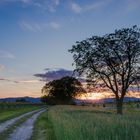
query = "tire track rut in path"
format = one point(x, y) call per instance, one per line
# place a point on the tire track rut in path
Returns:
point(24, 131)
point(8, 123)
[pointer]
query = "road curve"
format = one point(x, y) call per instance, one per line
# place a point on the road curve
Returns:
point(24, 131)
point(10, 122)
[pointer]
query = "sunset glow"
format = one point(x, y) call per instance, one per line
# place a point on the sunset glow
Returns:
point(97, 96)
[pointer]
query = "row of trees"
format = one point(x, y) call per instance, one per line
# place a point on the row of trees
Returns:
point(112, 61)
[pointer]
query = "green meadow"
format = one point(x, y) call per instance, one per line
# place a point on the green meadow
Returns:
point(11, 110)
point(87, 123)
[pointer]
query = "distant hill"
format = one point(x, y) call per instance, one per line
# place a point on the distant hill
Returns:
point(26, 99)
point(126, 99)
point(108, 100)
point(37, 100)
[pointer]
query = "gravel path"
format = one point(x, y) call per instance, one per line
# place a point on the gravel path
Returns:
point(10, 122)
point(24, 131)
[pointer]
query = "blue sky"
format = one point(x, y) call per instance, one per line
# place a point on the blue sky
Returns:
point(36, 34)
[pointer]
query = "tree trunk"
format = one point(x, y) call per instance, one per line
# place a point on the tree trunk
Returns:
point(119, 103)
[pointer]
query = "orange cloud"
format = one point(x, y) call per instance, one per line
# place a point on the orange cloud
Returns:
point(28, 81)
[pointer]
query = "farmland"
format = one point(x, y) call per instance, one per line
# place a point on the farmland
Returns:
point(87, 123)
point(11, 110)
point(67, 122)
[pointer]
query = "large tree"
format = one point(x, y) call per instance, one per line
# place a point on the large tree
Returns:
point(112, 60)
point(63, 90)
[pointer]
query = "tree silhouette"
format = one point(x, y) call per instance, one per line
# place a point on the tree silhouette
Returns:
point(112, 60)
point(63, 90)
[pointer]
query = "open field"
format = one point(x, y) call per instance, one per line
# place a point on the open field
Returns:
point(65, 122)
point(11, 110)
point(87, 123)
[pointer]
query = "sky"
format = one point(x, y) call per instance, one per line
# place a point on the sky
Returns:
point(36, 34)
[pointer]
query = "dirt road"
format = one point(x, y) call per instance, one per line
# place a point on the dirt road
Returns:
point(5, 125)
point(24, 131)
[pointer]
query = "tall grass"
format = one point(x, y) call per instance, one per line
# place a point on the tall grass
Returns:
point(84, 123)
point(43, 129)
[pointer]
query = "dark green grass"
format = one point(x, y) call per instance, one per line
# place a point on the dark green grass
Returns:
point(87, 123)
point(43, 129)
point(12, 111)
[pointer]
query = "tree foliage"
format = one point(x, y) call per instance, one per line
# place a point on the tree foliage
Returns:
point(63, 89)
point(112, 60)
point(48, 100)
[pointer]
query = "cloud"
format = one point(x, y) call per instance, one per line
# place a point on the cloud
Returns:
point(53, 74)
point(76, 8)
point(30, 26)
point(2, 67)
point(37, 27)
point(26, 1)
point(7, 80)
point(28, 81)
point(54, 25)
point(5, 54)
point(56, 2)
point(52, 5)
point(96, 5)
point(131, 5)
point(19, 81)
point(47, 5)
point(22, 1)
point(57, 73)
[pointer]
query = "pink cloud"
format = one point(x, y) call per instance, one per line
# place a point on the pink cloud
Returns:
point(2, 67)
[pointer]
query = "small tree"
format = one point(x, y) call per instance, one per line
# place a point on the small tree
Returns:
point(112, 60)
point(63, 90)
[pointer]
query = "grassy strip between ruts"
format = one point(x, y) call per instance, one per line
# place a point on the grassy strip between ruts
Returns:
point(87, 123)
point(43, 129)
point(5, 134)
point(7, 114)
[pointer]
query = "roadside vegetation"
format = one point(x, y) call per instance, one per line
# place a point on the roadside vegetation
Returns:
point(87, 123)
point(6, 133)
point(43, 129)
point(11, 110)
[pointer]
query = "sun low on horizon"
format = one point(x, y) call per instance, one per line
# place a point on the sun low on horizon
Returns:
point(35, 36)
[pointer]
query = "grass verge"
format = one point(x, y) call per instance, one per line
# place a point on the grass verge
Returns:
point(43, 129)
